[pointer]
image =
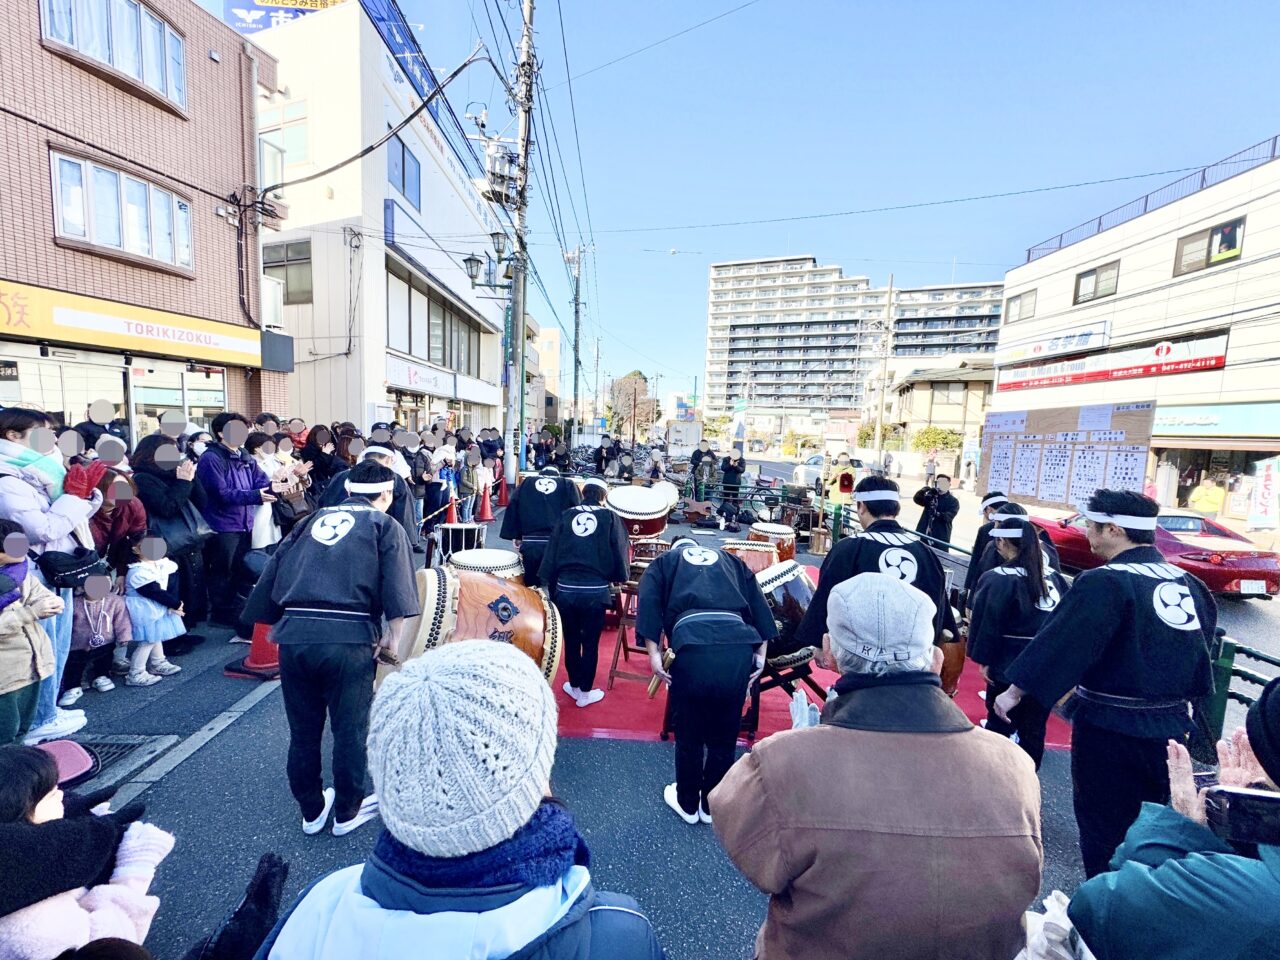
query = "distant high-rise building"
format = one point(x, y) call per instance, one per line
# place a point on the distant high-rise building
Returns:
point(787, 337)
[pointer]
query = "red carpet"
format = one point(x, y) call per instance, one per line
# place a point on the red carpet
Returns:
point(627, 713)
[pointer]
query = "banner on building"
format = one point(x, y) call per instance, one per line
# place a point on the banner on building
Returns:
point(1154, 360)
point(250, 16)
point(1264, 505)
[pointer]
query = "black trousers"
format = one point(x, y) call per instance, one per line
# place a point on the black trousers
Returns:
point(224, 574)
point(1028, 720)
point(1111, 776)
point(192, 587)
point(336, 678)
point(583, 623)
point(85, 666)
point(708, 687)
point(531, 554)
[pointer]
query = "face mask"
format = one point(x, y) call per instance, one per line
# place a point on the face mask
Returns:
point(199, 447)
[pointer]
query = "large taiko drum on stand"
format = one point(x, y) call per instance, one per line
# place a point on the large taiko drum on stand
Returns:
point(466, 605)
point(756, 555)
point(789, 591)
point(779, 534)
point(456, 537)
point(643, 553)
point(501, 563)
point(643, 509)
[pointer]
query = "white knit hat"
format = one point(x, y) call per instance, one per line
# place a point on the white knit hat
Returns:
point(878, 617)
point(461, 743)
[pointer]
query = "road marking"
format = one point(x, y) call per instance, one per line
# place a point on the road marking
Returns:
point(154, 772)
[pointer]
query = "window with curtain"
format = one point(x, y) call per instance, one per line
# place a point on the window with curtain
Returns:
point(437, 332)
point(397, 314)
point(124, 35)
point(419, 312)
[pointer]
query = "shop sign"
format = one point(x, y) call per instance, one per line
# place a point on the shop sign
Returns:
point(250, 16)
point(1090, 336)
point(1219, 420)
point(1264, 504)
point(40, 314)
point(419, 377)
point(1154, 360)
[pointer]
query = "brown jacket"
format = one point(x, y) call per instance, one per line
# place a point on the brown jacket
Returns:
point(896, 829)
point(26, 655)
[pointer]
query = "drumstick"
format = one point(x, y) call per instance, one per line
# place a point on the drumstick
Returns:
point(668, 657)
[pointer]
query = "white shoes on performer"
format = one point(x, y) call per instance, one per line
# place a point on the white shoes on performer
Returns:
point(312, 827)
point(368, 811)
point(703, 815)
point(583, 698)
point(669, 795)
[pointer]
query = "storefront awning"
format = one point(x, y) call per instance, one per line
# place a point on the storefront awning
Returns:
point(1264, 445)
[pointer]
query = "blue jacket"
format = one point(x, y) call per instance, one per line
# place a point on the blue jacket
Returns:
point(372, 912)
point(1178, 892)
point(231, 482)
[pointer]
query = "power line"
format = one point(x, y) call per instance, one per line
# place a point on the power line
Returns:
point(573, 110)
point(657, 43)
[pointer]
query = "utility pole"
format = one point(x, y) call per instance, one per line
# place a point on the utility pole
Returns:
point(575, 257)
point(596, 408)
point(520, 256)
point(884, 376)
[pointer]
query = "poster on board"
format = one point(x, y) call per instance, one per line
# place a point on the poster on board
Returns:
point(1058, 457)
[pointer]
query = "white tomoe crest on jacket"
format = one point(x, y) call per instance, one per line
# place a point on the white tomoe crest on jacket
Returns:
point(584, 524)
point(899, 563)
point(699, 556)
point(332, 527)
point(545, 485)
point(1051, 596)
point(1174, 605)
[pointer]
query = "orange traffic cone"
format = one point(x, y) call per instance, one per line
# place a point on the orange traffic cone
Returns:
point(452, 515)
point(502, 491)
point(484, 514)
point(263, 661)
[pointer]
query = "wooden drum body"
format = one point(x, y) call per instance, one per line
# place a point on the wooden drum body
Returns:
point(467, 605)
point(643, 553)
point(779, 534)
point(501, 563)
point(643, 509)
point(789, 591)
point(755, 554)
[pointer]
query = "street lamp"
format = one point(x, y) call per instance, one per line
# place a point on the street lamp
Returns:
point(499, 241)
point(472, 264)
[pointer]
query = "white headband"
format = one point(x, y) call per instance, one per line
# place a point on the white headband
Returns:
point(878, 495)
point(1122, 520)
point(679, 540)
point(992, 501)
point(1008, 533)
point(385, 487)
point(377, 452)
point(1007, 516)
point(595, 482)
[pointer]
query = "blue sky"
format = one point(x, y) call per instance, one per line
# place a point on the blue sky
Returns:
point(793, 107)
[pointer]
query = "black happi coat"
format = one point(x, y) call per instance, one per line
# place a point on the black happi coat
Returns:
point(335, 577)
point(588, 550)
point(401, 509)
point(1003, 618)
point(988, 559)
point(883, 547)
point(537, 506)
point(700, 596)
point(1137, 628)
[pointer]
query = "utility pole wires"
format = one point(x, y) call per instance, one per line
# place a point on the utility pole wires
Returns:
point(574, 257)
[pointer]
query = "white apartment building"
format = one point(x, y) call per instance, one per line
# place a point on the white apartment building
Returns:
point(387, 324)
point(787, 337)
point(1172, 298)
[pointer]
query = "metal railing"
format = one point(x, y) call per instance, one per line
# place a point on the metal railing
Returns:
point(1215, 173)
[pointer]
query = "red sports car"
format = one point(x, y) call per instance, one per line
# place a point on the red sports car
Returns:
point(1229, 564)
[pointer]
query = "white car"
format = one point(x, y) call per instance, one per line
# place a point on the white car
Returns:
point(809, 472)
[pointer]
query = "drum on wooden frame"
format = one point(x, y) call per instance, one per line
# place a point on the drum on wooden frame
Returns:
point(779, 534)
point(455, 537)
point(789, 591)
point(643, 553)
point(755, 554)
point(643, 509)
point(501, 563)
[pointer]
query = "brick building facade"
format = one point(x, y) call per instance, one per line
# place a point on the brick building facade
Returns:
point(128, 271)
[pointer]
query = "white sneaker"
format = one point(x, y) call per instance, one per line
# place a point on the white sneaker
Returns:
point(368, 811)
point(60, 726)
point(703, 815)
point(163, 668)
point(311, 827)
point(140, 679)
point(573, 693)
point(103, 684)
point(669, 795)
point(590, 697)
point(69, 713)
point(72, 696)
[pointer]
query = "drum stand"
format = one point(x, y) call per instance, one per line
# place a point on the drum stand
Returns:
point(628, 599)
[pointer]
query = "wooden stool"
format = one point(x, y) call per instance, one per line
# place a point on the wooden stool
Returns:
point(628, 599)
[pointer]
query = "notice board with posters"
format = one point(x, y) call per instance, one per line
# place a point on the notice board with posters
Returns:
point(1058, 457)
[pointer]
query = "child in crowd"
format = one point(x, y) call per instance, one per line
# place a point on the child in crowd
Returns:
point(155, 610)
point(80, 914)
point(100, 624)
point(26, 653)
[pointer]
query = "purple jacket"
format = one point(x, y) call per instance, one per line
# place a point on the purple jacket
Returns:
point(231, 482)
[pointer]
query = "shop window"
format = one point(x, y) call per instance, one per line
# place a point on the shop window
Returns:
point(404, 172)
point(126, 36)
point(1021, 307)
point(1097, 283)
point(397, 314)
point(291, 264)
point(419, 314)
point(1209, 247)
point(437, 332)
point(948, 393)
point(112, 209)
